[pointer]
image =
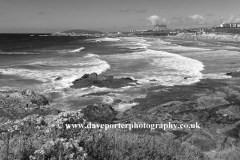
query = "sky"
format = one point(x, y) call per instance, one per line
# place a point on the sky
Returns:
point(45, 16)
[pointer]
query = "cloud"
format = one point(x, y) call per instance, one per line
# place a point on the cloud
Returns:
point(237, 19)
point(130, 10)
point(196, 19)
point(216, 21)
point(155, 20)
point(189, 20)
point(233, 19)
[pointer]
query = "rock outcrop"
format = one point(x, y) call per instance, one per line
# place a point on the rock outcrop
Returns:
point(94, 79)
point(26, 97)
point(214, 106)
point(19, 104)
point(233, 74)
point(99, 113)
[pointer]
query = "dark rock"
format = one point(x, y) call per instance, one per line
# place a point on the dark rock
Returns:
point(28, 97)
point(99, 113)
point(233, 74)
point(95, 94)
point(94, 79)
point(153, 80)
point(228, 73)
point(232, 111)
point(58, 79)
point(186, 77)
point(210, 102)
point(35, 98)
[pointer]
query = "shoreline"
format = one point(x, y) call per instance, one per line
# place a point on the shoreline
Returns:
point(212, 103)
point(209, 39)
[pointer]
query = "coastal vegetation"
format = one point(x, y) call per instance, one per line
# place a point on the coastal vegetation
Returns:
point(34, 128)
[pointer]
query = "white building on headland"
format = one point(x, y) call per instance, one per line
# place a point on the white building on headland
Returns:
point(230, 25)
point(160, 27)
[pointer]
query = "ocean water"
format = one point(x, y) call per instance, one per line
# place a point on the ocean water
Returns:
point(35, 61)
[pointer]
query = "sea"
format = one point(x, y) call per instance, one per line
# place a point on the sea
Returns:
point(34, 61)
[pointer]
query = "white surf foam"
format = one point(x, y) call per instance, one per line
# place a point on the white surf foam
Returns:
point(93, 40)
point(166, 68)
point(77, 50)
point(109, 39)
point(108, 100)
point(125, 94)
point(159, 44)
point(69, 70)
point(85, 91)
point(91, 55)
point(124, 106)
point(132, 43)
point(179, 48)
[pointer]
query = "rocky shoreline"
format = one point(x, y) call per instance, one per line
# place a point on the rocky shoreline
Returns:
point(214, 104)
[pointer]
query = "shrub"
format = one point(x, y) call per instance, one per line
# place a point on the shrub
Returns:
point(119, 145)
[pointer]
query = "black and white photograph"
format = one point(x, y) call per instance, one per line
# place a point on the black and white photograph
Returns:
point(119, 80)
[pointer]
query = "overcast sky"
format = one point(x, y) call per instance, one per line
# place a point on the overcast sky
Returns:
point(113, 15)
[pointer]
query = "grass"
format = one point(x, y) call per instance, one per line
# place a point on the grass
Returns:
point(230, 153)
point(96, 144)
point(121, 145)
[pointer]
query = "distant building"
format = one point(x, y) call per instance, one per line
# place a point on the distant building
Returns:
point(225, 25)
point(233, 25)
point(160, 27)
point(230, 25)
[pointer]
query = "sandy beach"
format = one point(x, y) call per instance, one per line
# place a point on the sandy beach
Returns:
point(209, 38)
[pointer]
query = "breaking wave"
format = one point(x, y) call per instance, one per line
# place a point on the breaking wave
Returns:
point(69, 69)
point(159, 67)
point(109, 39)
point(77, 50)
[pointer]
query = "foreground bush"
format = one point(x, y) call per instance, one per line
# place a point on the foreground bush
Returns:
point(120, 145)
